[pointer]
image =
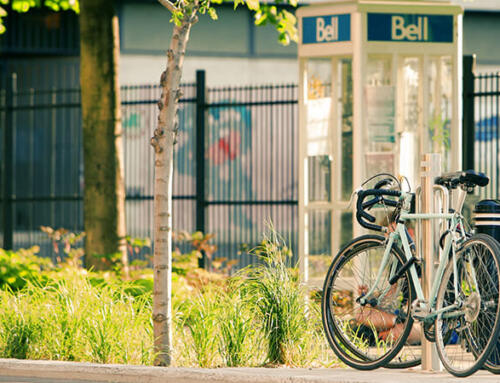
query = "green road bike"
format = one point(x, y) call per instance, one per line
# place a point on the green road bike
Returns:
point(373, 302)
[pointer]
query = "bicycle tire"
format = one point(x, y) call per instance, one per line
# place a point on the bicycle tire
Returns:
point(464, 341)
point(492, 364)
point(352, 347)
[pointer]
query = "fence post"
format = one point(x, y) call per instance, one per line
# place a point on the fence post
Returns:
point(468, 134)
point(200, 157)
point(8, 160)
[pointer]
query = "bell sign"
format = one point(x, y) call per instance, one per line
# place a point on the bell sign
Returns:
point(326, 29)
point(410, 28)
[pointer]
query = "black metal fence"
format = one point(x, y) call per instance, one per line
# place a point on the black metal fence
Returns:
point(235, 165)
point(481, 125)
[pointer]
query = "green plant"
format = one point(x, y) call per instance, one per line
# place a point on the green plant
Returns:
point(236, 329)
point(19, 331)
point(70, 313)
point(201, 322)
point(64, 324)
point(19, 267)
point(274, 291)
point(134, 246)
point(67, 240)
point(76, 318)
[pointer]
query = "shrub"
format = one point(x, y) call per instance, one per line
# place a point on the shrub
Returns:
point(22, 266)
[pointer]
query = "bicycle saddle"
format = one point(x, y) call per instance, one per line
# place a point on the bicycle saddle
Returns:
point(468, 178)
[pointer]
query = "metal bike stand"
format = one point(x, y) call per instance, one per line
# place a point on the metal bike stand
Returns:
point(430, 169)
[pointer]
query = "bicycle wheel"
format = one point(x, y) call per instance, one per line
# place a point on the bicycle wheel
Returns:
point(465, 336)
point(368, 337)
point(492, 364)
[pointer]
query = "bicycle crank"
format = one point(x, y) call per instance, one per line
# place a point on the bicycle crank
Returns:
point(420, 309)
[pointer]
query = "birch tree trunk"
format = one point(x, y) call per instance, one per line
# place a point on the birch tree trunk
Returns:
point(163, 142)
point(184, 15)
point(104, 192)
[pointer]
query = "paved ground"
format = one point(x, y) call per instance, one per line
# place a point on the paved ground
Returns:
point(17, 371)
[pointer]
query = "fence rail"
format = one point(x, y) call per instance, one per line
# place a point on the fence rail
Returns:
point(234, 164)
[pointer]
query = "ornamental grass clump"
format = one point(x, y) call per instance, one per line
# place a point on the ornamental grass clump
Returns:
point(237, 335)
point(274, 291)
point(19, 330)
point(200, 321)
point(73, 319)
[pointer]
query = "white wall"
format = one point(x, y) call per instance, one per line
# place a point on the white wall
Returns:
point(146, 69)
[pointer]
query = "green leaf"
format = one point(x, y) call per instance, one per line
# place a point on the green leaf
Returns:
point(238, 2)
point(177, 18)
point(284, 38)
point(212, 13)
point(253, 5)
point(260, 18)
point(21, 6)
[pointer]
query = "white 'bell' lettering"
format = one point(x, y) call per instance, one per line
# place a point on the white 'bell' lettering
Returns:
point(325, 32)
point(412, 32)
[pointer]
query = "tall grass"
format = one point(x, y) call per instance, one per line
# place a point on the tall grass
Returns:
point(260, 316)
point(200, 320)
point(273, 289)
point(238, 339)
point(19, 331)
point(73, 320)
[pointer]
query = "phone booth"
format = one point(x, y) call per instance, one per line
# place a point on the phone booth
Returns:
point(378, 87)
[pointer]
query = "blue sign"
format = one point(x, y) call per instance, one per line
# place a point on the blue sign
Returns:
point(326, 29)
point(410, 27)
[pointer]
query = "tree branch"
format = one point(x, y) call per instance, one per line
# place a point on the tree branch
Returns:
point(169, 5)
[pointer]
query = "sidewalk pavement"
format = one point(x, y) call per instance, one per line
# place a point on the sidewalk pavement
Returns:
point(13, 370)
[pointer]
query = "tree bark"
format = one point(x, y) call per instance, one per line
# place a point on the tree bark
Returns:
point(163, 143)
point(104, 192)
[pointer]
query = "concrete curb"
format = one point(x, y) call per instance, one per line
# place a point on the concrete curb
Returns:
point(73, 371)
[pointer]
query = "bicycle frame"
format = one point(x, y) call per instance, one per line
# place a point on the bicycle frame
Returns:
point(399, 235)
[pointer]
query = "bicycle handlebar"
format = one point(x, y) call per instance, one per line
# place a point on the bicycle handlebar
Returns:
point(362, 216)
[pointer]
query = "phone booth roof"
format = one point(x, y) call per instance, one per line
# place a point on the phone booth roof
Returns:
point(333, 28)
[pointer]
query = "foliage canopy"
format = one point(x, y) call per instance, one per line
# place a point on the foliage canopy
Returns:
point(282, 19)
point(23, 6)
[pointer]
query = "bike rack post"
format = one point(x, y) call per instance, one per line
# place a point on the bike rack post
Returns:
point(430, 169)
